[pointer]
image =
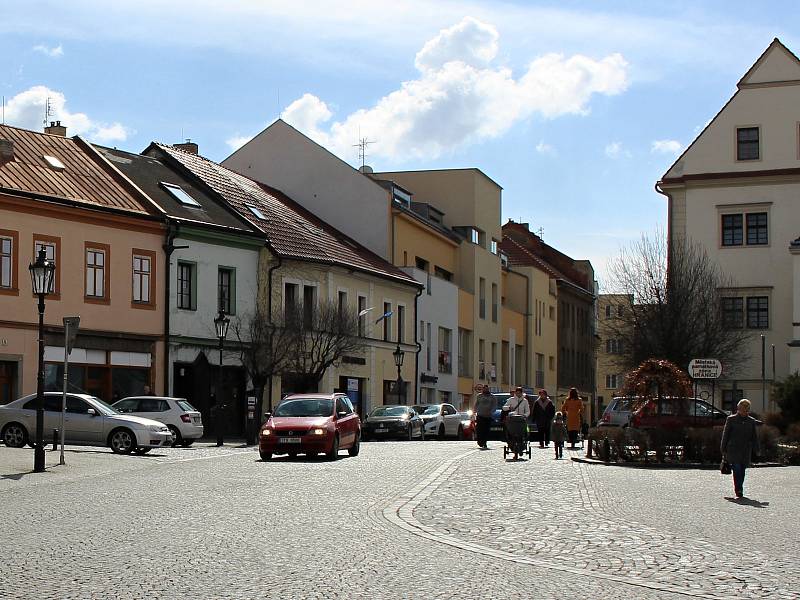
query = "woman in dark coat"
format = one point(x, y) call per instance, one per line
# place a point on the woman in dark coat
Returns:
point(739, 443)
point(543, 412)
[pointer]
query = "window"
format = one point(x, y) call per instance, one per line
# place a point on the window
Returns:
point(464, 345)
point(290, 297)
point(186, 286)
point(608, 311)
point(401, 322)
point(52, 249)
point(482, 298)
point(552, 313)
point(421, 263)
point(758, 312)
point(494, 303)
point(756, 229)
point(342, 304)
point(428, 347)
point(442, 273)
point(747, 143)
point(445, 359)
point(614, 346)
point(180, 194)
point(733, 312)
point(482, 239)
point(387, 323)
point(612, 381)
point(256, 213)
point(54, 163)
point(225, 280)
point(620, 310)
point(494, 247)
point(539, 370)
point(732, 234)
point(362, 318)
point(730, 398)
point(142, 274)
point(9, 244)
point(401, 197)
point(474, 236)
point(309, 305)
point(97, 271)
point(551, 363)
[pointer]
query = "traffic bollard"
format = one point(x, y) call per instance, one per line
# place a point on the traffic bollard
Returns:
point(606, 450)
point(55, 440)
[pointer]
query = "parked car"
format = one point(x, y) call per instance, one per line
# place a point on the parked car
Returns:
point(440, 420)
point(467, 425)
point(674, 413)
point(617, 413)
point(184, 420)
point(88, 421)
point(393, 421)
point(310, 424)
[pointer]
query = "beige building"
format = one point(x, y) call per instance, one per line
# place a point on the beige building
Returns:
point(734, 190)
point(611, 371)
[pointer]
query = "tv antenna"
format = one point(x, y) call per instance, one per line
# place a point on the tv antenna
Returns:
point(362, 148)
point(48, 111)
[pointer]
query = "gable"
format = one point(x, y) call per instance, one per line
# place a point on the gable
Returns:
point(776, 64)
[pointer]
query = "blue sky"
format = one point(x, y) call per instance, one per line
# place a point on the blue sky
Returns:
point(575, 108)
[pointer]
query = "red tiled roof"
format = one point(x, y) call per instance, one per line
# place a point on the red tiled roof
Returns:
point(84, 179)
point(527, 249)
point(291, 230)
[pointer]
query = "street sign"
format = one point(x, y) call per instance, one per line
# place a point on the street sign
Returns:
point(705, 368)
point(71, 330)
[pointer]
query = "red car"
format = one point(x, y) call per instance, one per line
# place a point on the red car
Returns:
point(311, 424)
point(675, 413)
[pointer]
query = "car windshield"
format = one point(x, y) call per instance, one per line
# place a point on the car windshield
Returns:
point(500, 400)
point(186, 406)
point(305, 407)
point(105, 409)
point(389, 411)
point(433, 409)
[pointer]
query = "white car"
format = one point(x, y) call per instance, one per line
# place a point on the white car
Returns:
point(88, 421)
point(441, 420)
point(184, 420)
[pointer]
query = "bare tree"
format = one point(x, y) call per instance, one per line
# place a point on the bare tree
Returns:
point(677, 312)
point(321, 335)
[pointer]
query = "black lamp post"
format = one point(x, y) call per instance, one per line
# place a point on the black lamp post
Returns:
point(42, 281)
point(221, 323)
point(399, 355)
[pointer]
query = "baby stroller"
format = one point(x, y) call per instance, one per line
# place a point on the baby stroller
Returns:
point(516, 436)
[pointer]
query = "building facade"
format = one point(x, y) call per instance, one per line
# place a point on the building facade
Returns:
point(611, 370)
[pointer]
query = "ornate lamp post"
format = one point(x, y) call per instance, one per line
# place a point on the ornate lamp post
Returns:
point(221, 323)
point(399, 355)
point(42, 281)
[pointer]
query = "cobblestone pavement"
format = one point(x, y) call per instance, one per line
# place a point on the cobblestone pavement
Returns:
point(673, 530)
point(402, 520)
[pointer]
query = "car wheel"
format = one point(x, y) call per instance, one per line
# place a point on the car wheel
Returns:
point(177, 438)
point(334, 453)
point(140, 450)
point(440, 433)
point(122, 441)
point(265, 456)
point(355, 448)
point(187, 443)
point(461, 433)
point(15, 435)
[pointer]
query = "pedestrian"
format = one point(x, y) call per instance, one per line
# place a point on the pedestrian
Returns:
point(147, 391)
point(558, 433)
point(739, 443)
point(543, 412)
point(484, 405)
point(573, 408)
point(517, 404)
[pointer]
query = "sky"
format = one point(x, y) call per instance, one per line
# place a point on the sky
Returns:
point(575, 108)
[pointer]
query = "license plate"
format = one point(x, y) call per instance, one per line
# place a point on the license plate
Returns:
point(381, 430)
point(497, 429)
point(289, 440)
point(196, 419)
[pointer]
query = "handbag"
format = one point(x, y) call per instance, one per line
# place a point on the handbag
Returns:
point(725, 467)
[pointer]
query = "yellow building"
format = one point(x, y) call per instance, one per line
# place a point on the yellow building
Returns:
point(610, 368)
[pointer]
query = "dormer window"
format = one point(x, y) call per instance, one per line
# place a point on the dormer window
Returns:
point(180, 194)
point(503, 260)
point(401, 197)
point(474, 236)
point(54, 163)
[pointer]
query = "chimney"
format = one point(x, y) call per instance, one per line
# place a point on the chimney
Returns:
point(6, 151)
point(56, 128)
point(189, 146)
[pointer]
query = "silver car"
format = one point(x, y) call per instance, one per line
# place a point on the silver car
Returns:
point(88, 421)
point(618, 412)
point(184, 420)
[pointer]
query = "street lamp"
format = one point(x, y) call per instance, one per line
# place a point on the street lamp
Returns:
point(221, 323)
point(42, 279)
point(399, 355)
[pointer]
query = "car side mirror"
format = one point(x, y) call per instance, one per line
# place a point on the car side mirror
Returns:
point(91, 411)
point(267, 416)
point(341, 414)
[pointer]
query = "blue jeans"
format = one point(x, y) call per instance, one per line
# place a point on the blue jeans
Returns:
point(738, 477)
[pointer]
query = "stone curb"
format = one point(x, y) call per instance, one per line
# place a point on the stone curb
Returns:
point(401, 513)
point(676, 466)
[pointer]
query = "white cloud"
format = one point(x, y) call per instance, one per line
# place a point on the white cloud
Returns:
point(544, 148)
point(615, 150)
point(460, 97)
point(54, 52)
point(237, 141)
point(673, 147)
point(27, 109)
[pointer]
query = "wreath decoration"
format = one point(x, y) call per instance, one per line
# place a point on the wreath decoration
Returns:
point(654, 377)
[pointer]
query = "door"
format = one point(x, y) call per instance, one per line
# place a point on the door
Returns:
point(346, 422)
point(80, 426)
point(451, 419)
point(8, 375)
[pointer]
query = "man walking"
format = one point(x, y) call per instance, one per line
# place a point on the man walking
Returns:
point(484, 405)
point(543, 412)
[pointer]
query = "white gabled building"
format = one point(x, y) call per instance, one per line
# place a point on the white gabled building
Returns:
point(736, 190)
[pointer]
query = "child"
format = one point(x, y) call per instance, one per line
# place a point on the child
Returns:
point(558, 433)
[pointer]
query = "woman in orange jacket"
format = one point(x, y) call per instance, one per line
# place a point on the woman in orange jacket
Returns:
point(573, 408)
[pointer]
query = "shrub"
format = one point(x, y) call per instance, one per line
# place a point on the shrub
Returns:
point(704, 443)
point(776, 419)
point(768, 440)
point(787, 396)
point(793, 433)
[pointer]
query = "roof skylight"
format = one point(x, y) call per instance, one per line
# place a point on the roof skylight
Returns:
point(180, 194)
point(54, 162)
point(256, 212)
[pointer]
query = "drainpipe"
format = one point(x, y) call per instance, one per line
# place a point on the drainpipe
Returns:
point(527, 327)
point(419, 346)
point(270, 271)
point(169, 247)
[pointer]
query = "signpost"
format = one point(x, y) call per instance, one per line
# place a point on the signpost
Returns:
point(705, 368)
point(71, 325)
